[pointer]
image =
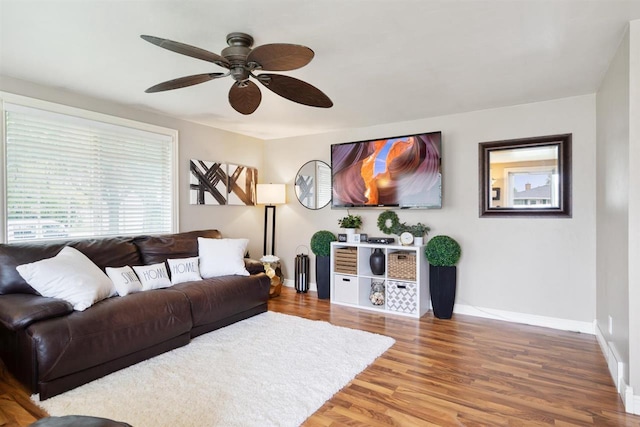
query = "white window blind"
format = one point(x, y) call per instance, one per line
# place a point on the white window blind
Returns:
point(72, 177)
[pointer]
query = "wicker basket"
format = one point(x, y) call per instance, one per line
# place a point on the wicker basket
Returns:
point(402, 265)
point(346, 260)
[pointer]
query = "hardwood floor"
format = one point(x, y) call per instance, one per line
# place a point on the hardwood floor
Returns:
point(466, 371)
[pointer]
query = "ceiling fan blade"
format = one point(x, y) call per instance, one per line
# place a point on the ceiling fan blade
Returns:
point(245, 97)
point(295, 90)
point(185, 49)
point(184, 82)
point(280, 56)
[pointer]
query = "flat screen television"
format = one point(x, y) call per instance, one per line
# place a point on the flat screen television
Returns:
point(400, 172)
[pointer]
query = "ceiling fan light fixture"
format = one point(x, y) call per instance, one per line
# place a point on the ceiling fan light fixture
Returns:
point(241, 60)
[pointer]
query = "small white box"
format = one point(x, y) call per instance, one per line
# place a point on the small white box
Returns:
point(345, 289)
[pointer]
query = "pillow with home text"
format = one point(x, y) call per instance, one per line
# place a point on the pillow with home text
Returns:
point(184, 270)
point(153, 276)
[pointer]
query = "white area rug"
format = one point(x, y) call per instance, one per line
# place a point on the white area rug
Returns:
point(269, 370)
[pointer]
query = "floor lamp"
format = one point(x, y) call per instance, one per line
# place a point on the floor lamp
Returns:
point(270, 195)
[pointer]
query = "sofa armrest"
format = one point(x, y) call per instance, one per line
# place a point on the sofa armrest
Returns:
point(253, 266)
point(17, 311)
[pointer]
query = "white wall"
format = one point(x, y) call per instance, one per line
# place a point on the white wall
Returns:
point(544, 267)
point(618, 216)
point(612, 234)
point(196, 141)
point(634, 211)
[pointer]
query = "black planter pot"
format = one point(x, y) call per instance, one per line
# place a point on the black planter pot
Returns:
point(442, 286)
point(323, 276)
point(376, 262)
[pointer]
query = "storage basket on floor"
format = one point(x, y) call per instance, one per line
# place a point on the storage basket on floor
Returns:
point(402, 265)
point(402, 297)
point(346, 260)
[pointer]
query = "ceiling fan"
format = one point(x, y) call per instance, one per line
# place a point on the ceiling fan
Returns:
point(242, 62)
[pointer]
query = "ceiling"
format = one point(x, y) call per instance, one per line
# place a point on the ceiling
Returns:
point(379, 61)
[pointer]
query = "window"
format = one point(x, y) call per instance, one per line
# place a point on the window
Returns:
point(71, 173)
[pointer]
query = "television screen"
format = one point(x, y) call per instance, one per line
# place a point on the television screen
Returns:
point(402, 172)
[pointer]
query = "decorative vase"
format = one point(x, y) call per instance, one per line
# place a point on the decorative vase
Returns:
point(323, 276)
point(442, 286)
point(376, 295)
point(377, 262)
point(418, 241)
point(351, 233)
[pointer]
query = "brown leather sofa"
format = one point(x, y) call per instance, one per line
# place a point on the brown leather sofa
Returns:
point(51, 348)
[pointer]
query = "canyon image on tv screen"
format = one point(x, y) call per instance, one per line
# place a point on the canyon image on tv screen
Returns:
point(400, 172)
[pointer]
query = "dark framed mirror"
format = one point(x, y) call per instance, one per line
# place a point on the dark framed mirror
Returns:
point(526, 177)
point(313, 184)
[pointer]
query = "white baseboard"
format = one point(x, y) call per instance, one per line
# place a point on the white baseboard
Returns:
point(528, 319)
point(631, 401)
point(509, 316)
point(290, 283)
point(614, 361)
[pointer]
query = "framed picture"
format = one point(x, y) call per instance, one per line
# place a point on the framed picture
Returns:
point(241, 185)
point(495, 193)
point(207, 182)
point(216, 183)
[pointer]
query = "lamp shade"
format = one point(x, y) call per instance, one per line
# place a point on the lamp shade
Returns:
point(271, 194)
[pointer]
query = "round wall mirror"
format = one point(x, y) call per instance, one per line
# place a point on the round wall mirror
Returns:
point(313, 184)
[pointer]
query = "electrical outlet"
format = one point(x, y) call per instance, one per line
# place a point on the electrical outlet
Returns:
point(610, 325)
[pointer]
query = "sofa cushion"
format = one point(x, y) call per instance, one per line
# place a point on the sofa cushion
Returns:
point(222, 257)
point(154, 249)
point(111, 329)
point(221, 297)
point(110, 251)
point(104, 252)
point(70, 276)
point(18, 311)
point(253, 266)
point(13, 255)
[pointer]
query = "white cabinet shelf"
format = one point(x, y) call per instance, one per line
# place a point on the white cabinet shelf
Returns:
point(406, 285)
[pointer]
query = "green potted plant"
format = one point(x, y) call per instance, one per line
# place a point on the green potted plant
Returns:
point(350, 221)
point(321, 247)
point(418, 230)
point(443, 254)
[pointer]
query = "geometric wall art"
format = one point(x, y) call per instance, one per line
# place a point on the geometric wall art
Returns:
point(215, 183)
point(241, 189)
point(207, 183)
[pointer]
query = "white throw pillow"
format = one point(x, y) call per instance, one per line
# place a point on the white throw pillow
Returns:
point(153, 276)
point(70, 276)
point(184, 270)
point(222, 257)
point(124, 279)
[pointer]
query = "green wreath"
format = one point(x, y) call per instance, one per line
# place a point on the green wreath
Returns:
point(388, 216)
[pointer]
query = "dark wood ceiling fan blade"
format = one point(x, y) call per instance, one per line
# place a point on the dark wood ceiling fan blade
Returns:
point(188, 50)
point(184, 82)
point(280, 56)
point(295, 90)
point(245, 97)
